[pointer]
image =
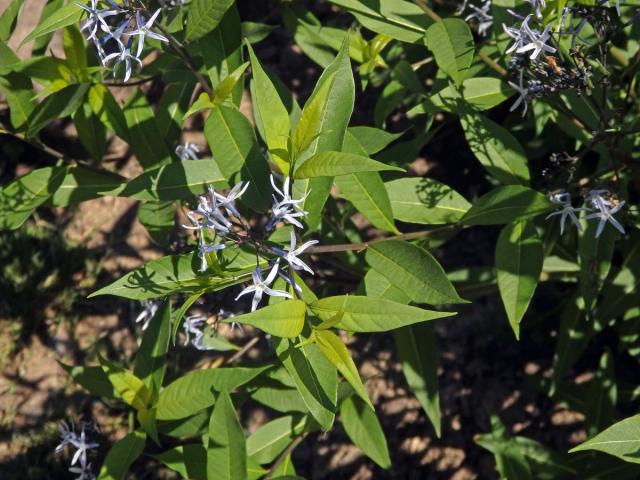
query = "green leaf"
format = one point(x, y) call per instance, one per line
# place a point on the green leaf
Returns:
point(595, 257)
point(21, 197)
point(364, 429)
point(129, 387)
point(197, 390)
point(159, 220)
point(506, 204)
point(81, 183)
point(57, 105)
point(621, 440)
point(414, 271)
point(497, 149)
point(267, 442)
point(108, 111)
point(203, 102)
point(171, 108)
point(227, 86)
point(277, 390)
point(75, 48)
point(519, 257)
point(314, 376)
point(188, 460)
point(151, 360)
point(337, 353)
point(178, 314)
point(227, 450)
point(147, 420)
point(368, 314)
point(328, 131)
point(479, 93)
point(176, 273)
point(331, 164)
point(425, 201)
point(91, 131)
point(372, 139)
point(60, 18)
point(204, 16)
point(121, 456)
point(92, 379)
point(602, 396)
point(401, 20)
point(144, 134)
point(452, 45)
point(221, 50)
point(173, 181)
point(234, 146)
point(282, 319)
point(276, 124)
point(18, 90)
point(9, 18)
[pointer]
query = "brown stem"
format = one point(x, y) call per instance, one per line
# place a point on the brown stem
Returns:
point(240, 353)
point(131, 84)
point(292, 446)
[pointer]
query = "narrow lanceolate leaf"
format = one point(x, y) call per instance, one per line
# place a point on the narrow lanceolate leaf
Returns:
point(121, 456)
point(282, 319)
point(234, 146)
point(197, 390)
point(337, 353)
point(414, 271)
point(452, 45)
point(372, 139)
point(104, 105)
point(21, 197)
point(129, 387)
point(519, 257)
point(621, 440)
point(367, 314)
point(9, 18)
point(328, 130)
point(314, 376)
point(81, 183)
point(152, 355)
point(57, 105)
point(227, 449)
point(364, 430)
point(188, 460)
point(267, 442)
point(144, 134)
point(496, 148)
point(173, 181)
point(62, 17)
point(204, 16)
point(331, 164)
point(595, 256)
point(276, 124)
point(602, 396)
point(425, 201)
point(92, 378)
point(506, 204)
point(365, 190)
point(479, 93)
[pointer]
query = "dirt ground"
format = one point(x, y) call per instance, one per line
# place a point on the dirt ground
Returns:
point(483, 370)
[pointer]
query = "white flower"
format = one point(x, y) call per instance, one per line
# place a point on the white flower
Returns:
point(291, 256)
point(95, 19)
point(187, 151)
point(482, 15)
point(66, 434)
point(566, 210)
point(598, 197)
point(123, 56)
point(203, 249)
point(144, 30)
point(261, 286)
point(149, 310)
point(286, 209)
point(228, 202)
point(537, 42)
point(537, 5)
point(523, 94)
point(84, 472)
point(605, 214)
point(518, 34)
point(81, 444)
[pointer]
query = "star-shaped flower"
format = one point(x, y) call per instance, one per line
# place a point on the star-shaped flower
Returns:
point(519, 35)
point(123, 56)
point(291, 255)
point(261, 286)
point(523, 94)
point(95, 18)
point(228, 202)
point(566, 210)
point(605, 214)
point(144, 30)
point(149, 310)
point(537, 42)
point(82, 445)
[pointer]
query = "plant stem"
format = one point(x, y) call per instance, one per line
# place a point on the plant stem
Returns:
point(292, 446)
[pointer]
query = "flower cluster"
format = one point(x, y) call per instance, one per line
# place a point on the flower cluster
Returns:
point(81, 444)
point(213, 218)
point(114, 30)
point(603, 207)
point(536, 63)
